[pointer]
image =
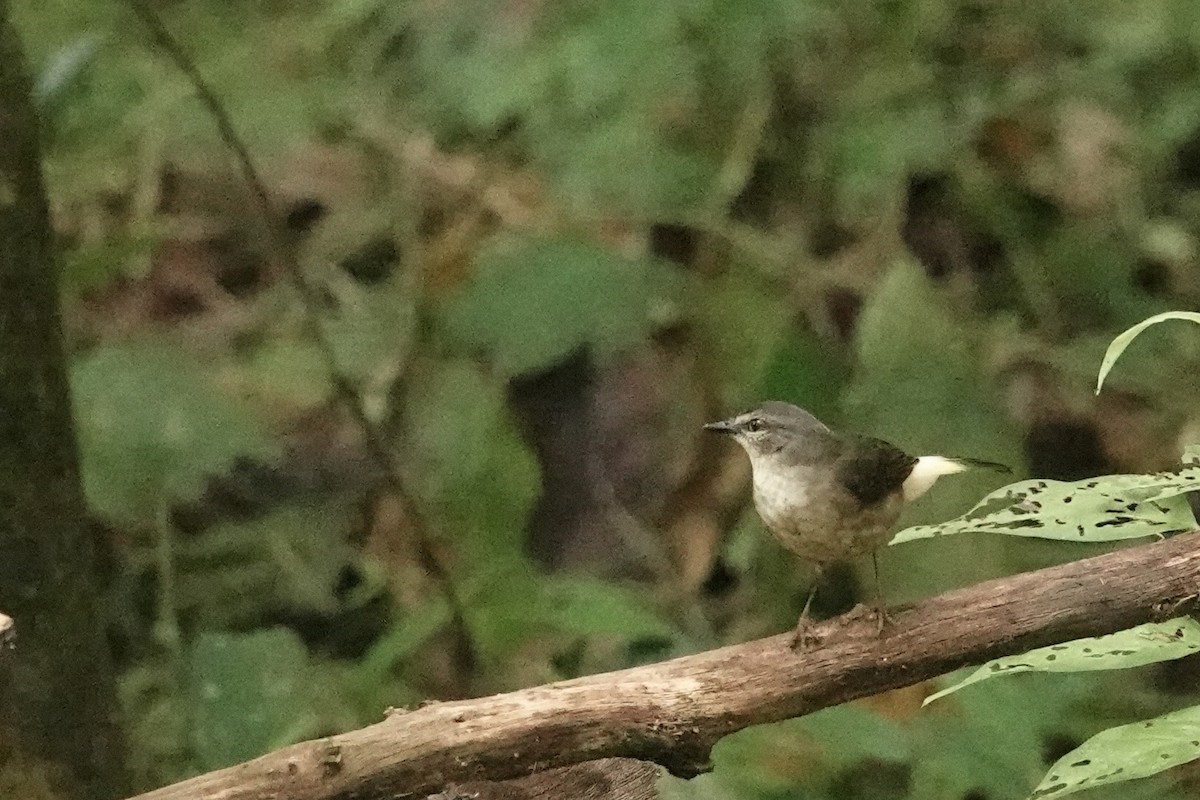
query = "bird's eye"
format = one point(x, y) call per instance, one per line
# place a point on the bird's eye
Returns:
point(755, 425)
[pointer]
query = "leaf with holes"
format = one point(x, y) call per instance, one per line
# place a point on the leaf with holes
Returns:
point(1118, 345)
point(1101, 509)
point(1124, 753)
point(1136, 647)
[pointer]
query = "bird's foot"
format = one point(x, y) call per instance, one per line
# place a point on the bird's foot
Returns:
point(804, 637)
point(877, 613)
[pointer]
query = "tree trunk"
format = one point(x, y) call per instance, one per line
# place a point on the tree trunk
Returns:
point(57, 701)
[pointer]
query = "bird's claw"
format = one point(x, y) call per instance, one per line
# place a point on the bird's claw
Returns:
point(804, 637)
point(876, 612)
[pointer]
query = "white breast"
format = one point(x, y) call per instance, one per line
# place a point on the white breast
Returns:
point(776, 491)
point(812, 519)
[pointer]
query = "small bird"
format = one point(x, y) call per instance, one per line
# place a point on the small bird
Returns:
point(829, 496)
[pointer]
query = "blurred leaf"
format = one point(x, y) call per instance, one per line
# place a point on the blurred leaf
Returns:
point(404, 639)
point(473, 464)
point(1123, 340)
point(990, 741)
point(627, 165)
point(590, 607)
point(153, 426)
point(744, 327)
point(534, 301)
point(64, 68)
point(804, 371)
point(1136, 647)
point(252, 693)
point(288, 370)
point(93, 265)
point(919, 374)
point(289, 560)
point(504, 604)
point(808, 753)
point(371, 329)
point(918, 383)
point(157, 723)
point(1125, 753)
point(1102, 509)
point(870, 151)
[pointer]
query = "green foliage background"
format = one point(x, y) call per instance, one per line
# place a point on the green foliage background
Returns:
point(920, 219)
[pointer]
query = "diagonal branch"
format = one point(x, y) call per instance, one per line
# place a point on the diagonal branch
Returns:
point(673, 712)
point(311, 299)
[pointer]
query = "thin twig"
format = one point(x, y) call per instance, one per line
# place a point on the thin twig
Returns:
point(311, 301)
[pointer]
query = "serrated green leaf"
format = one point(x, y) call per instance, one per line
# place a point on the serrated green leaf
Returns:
point(251, 693)
point(153, 426)
point(1118, 345)
point(1125, 753)
point(534, 301)
point(1102, 509)
point(1136, 647)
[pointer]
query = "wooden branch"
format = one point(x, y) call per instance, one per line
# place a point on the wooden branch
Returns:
point(672, 713)
point(7, 630)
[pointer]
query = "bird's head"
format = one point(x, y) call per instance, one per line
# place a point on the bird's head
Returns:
point(766, 430)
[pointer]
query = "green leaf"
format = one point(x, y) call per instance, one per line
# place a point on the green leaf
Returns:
point(534, 301)
point(1124, 753)
point(1136, 647)
point(251, 692)
point(1118, 345)
point(153, 425)
point(991, 741)
point(591, 607)
point(1102, 509)
point(288, 370)
point(796, 757)
point(918, 382)
point(745, 325)
point(471, 462)
point(288, 560)
point(403, 640)
point(913, 353)
point(371, 327)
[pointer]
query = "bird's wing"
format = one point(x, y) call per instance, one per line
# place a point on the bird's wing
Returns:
point(871, 469)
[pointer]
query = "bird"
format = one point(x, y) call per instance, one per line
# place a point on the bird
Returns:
point(827, 496)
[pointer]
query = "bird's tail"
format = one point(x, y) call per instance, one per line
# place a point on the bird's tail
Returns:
point(929, 468)
point(979, 463)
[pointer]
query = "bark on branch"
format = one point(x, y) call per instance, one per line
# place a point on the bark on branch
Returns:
point(672, 713)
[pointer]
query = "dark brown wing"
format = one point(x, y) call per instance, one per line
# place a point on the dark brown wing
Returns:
point(872, 469)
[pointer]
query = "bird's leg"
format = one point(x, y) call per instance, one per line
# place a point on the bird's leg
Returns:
point(803, 637)
point(879, 605)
